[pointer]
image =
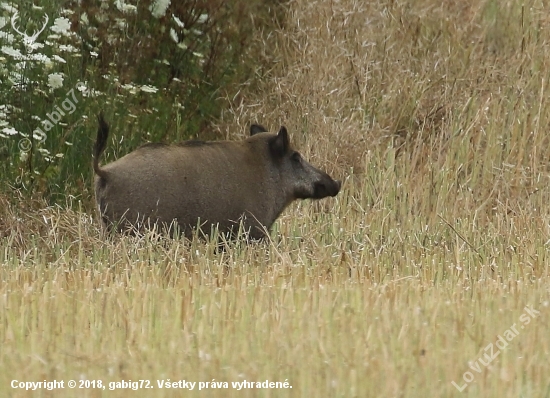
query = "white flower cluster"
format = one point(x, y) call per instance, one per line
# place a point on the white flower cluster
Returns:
point(159, 7)
point(33, 61)
point(24, 55)
point(23, 63)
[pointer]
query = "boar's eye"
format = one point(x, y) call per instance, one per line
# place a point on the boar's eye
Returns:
point(296, 157)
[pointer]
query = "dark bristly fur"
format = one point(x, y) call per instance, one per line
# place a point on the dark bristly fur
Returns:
point(206, 184)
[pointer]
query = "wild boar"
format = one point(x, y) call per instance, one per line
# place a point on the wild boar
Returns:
point(206, 184)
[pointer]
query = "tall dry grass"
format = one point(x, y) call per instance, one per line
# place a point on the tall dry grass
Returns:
point(435, 116)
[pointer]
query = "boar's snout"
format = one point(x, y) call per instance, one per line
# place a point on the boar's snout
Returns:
point(326, 187)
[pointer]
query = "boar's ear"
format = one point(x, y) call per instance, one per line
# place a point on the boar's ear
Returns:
point(257, 128)
point(279, 144)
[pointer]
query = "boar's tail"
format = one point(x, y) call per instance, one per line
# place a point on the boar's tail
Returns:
point(100, 144)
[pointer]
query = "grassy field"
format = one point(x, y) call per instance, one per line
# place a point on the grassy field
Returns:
point(427, 276)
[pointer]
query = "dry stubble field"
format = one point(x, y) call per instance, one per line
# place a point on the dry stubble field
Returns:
point(436, 116)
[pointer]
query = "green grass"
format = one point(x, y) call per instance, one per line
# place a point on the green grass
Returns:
point(435, 117)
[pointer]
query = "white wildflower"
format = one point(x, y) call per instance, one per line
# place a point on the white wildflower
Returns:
point(81, 87)
point(3, 22)
point(68, 48)
point(62, 26)
point(12, 52)
point(10, 131)
point(125, 8)
point(23, 156)
point(35, 46)
point(159, 7)
point(8, 7)
point(4, 110)
point(84, 19)
point(59, 59)
point(174, 35)
point(55, 80)
point(178, 21)
point(202, 18)
point(91, 93)
point(94, 54)
point(149, 89)
point(121, 23)
point(130, 87)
